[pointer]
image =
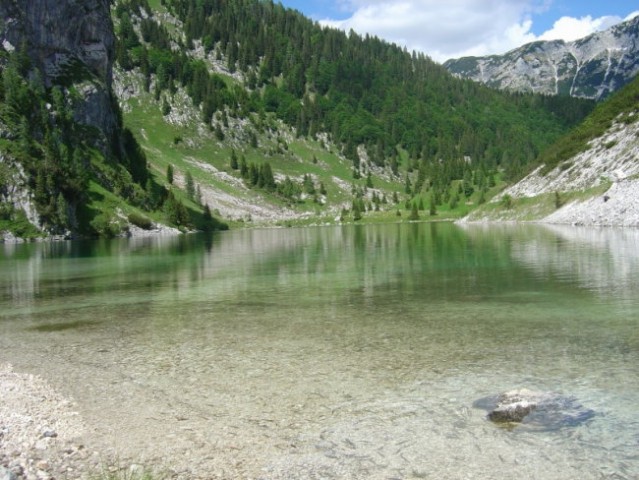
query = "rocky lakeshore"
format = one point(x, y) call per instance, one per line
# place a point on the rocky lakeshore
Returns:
point(41, 434)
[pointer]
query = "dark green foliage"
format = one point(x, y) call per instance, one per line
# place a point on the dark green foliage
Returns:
point(361, 90)
point(507, 202)
point(62, 158)
point(209, 223)
point(357, 210)
point(369, 180)
point(289, 189)
point(140, 220)
point(467, 184)
point(243, 167)
point(189, 185)
point(414, 212)
point(234, 164)
point(433, 205)
point(175, 212)
point(258, 175)
point(454, 201)
point(135, 158)
point(169, 174)
point(53, 150)
point(105, 225)
point(309, 186)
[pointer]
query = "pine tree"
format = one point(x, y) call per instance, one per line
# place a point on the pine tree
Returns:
point(407, 185)
point(414, 213)
point(169, 174)
point(207, 219)
point(357, 212)
point(234, 164)
point(433, 205)
point(244, 170)
point(369, 180)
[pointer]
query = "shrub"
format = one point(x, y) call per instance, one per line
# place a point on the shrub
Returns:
point(507, 201)
point(140, 220)
point(105, 226)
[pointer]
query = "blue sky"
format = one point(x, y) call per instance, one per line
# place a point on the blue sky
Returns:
point(452, 28)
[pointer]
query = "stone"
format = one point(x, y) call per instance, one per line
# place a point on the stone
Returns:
point(512, 412)
point(6, 474)
point(546, 410)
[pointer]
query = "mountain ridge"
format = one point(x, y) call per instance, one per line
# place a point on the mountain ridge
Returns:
point(592, 67)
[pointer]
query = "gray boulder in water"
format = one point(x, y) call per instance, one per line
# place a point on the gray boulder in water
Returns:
point(542, 409)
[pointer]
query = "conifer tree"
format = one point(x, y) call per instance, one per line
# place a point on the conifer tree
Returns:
point(414, 213)
point(169, 174)
point(234, 164)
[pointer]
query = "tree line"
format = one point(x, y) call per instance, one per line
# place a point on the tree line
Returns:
point(359, 89)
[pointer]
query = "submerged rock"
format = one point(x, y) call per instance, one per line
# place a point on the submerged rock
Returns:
point(542, 409)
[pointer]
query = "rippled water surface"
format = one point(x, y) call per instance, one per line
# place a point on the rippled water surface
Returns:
point(347, 352)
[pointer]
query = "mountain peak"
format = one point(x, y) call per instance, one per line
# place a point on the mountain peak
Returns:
point(592, 67)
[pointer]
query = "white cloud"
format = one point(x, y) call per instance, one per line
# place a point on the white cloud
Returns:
point(569, 28)
point(446, 29)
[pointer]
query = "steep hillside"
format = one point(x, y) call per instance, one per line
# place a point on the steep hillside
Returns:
point(364, 119)
point(592, 67)
point(589, 177)
point(67, 165)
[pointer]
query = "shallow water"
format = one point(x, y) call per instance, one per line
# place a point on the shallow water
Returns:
point(346, 352)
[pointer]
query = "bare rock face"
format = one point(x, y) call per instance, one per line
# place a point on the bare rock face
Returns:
point(72, 43)
point(546, 410)
point(592, 67)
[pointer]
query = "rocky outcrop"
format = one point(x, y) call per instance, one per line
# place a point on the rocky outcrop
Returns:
point(14, 190)
point(592, 67)
point(608, 159)
point(597, 187)
point(72, 43)
point(541, 409)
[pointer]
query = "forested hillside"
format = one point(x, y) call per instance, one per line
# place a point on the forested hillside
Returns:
point(244, 102)
point(247, 59)
point(588, 177)
point(68, 166)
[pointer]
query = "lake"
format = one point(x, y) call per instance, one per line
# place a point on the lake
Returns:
point(338, 352)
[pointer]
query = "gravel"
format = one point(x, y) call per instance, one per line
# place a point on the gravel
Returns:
point(41, 434)
point(619, 206)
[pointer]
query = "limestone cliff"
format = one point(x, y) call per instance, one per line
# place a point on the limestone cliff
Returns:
point(592, 67)
point(72, 43)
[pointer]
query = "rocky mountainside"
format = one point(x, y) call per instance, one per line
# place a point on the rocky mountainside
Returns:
point(67, 41)
point(590, 177)
point(592, 67)
point(68, 166)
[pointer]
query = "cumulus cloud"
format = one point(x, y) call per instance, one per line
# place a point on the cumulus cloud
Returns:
point(569, 28)
point(455, 28)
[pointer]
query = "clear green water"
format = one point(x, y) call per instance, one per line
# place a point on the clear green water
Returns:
point(352, 352)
